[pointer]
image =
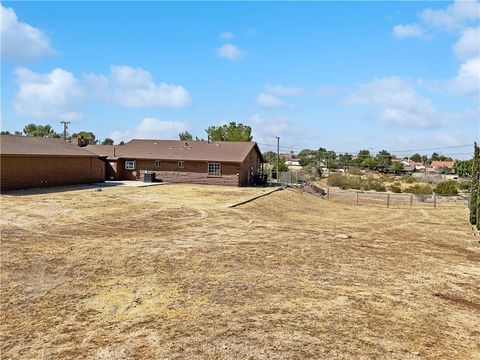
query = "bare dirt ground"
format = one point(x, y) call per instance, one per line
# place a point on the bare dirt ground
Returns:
point(171, 272)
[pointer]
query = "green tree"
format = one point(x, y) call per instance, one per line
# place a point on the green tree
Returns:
point(384, 159)
point(463, 167)
point(121, 143)
point(230, 132)
point(416, 157)
point(344, 160)
point(107, 141)
point(363, 158)
point(185, 136)
point(282, 167)
point(397, 167)
point(269, 156)
point(40, 131)
point(5, 133)
point(90, 136)
point(474, 192)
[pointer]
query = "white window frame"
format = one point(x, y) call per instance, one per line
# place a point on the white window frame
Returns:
point(158, 163)
point(130, 164)
point(214, 169)
point(181, 164)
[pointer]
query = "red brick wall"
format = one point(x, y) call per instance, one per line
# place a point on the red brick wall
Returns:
point(194, 172)
point(23, 172)
point(252, 161)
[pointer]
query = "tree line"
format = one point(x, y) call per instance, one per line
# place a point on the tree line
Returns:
point(47, 131)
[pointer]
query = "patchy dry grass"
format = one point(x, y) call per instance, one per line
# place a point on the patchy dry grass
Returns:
point(171, 272)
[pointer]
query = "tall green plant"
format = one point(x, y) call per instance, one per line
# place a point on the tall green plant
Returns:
point(474, 191)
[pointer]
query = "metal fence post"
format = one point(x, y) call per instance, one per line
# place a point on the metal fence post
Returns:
point(328, 193)
point(357, 198)
point(434, 201)
point(388, 200)
point(411, 200)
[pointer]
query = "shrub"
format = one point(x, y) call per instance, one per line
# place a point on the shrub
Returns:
point(447, 187)
point(408, 178)
point(464, 185)
point(336, 180)
point(388, 178)
point(395, 187)
point(355, 171)
point(373, 184)
point(419, 189)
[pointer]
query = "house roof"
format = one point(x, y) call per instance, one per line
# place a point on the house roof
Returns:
point(223, 151)
point(449, 164)
point(29, 145)
point(110, 151)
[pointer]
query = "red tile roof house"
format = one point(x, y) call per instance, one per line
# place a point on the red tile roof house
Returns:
point(177, 161)
point(31, 162)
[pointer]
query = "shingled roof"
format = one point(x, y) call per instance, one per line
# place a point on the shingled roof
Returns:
point(38, 146)
point(222, 151)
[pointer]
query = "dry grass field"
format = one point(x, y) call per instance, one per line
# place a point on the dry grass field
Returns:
point(170, 272)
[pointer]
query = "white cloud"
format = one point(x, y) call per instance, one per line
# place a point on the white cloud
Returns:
point(227, 35)
point(269, 101)
point(280, 90)
point(409, 30)
point(135, 88)
point(151, 128)
point(446, 139)
point(273, 94)
point(398, 101)
point(468, 45)
point(47, 96)
point(230, 52)
point(453, 18)
point(21, 41)
point(468, 79)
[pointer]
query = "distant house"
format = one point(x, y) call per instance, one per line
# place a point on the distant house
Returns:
point(30, 162)
point(293, 165)
point(177, 161)
point(442, 166)
point(419, 166)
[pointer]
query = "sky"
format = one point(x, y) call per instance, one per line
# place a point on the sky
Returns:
point(345, 76)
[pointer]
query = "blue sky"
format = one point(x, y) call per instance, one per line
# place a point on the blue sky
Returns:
point(346, 76)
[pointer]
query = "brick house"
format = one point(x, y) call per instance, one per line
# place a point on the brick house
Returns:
point(31, 162)
point(177, 161)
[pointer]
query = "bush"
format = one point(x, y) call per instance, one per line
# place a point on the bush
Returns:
point(419, 189)
point(373, 184)
point(346, 182)
point(408, 178)
point(355, 171)
point(395, 187)
point(336, 180)
point(464, 185)
point(447, 187)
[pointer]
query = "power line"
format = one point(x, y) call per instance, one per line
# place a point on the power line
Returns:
point(287, 148)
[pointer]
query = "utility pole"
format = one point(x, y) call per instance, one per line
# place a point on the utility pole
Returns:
point(278, 155)
point(65, 127)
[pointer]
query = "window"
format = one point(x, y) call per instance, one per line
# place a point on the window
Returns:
point(181, 164)
point(214, 169)
point(157, 163)
point(130, 165)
